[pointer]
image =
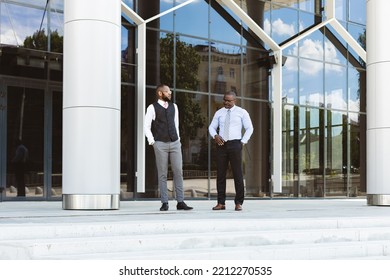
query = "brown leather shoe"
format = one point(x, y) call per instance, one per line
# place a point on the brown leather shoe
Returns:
point(219, 207)
point(238, 207)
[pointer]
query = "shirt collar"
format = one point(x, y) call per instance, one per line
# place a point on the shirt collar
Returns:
point(231, 109)
point(161, 102)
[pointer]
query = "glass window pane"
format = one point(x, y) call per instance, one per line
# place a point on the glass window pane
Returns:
point(341, 9)
point(225, 69)
point(25, 121)
point(311, 152)
point(312, 46)
point(226, 29)
point(358, 32)
point(306, 20)
point(267, 19)
point(311, 83)
point(203, 70)
point(256, 76)
point(256, 167)
point(292, 50)
point(124, 44)
point(290, 3)
point(163, 63)
point(357, 159)
point(290, 80)
point(192, 19)
point(259, 12)
point(128, 53)
point(355, 84)
point(195, 143)
point(129, 3)
point(150, 9)
point(20, 21)
point(290, 142)
point(357, 11)
point(284, 23)
point(307, 5)
point(56, 21)
point(56, 177)
point(336, 154)
point(335, 47)
point(335, 87)
point(165, 22)
point(179, 57)
point(128, 141)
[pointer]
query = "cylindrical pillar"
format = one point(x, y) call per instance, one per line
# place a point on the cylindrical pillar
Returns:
point(378, 100)
point(91, 104)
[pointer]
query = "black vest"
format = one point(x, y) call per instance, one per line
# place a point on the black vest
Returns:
point(163, 127)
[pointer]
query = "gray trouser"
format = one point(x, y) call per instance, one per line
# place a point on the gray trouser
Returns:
point(171, 150)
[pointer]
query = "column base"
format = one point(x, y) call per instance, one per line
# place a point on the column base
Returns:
point(90, 201)
point(378, 199)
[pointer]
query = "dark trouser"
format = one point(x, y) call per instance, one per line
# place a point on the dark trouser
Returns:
point(230, 152)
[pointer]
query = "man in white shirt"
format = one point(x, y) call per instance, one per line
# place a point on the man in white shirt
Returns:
point(161, 128)
point(230, 120)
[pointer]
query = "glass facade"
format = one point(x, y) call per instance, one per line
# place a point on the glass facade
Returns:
point(200, 50)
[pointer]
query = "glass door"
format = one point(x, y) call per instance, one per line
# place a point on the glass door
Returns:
point(55, 140)
point(25, 134)
point(3, 149)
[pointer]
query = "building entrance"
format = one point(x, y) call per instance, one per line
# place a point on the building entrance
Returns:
point(31, 133)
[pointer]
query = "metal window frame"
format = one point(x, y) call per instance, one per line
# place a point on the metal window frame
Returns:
point(141, 82)
point(276, 75)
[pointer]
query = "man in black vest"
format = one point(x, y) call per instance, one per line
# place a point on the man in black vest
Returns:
point(161, 128)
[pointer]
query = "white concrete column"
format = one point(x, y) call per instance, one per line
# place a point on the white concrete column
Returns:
point(378, 102)
point(91, 104)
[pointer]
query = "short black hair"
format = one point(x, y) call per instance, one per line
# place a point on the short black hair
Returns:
point(231, 93)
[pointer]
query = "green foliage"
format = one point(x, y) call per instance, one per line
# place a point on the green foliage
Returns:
point(362, 42)
point(39, 41)
point(362, 39)
point(186, 62)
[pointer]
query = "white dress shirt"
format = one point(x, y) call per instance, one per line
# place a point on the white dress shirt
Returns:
point(151, 116)
point(239, 119)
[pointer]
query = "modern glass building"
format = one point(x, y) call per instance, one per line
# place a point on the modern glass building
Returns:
point(297, 66)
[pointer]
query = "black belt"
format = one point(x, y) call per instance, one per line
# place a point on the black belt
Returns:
point(235, 140)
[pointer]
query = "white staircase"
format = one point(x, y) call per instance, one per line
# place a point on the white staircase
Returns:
point(198, 238)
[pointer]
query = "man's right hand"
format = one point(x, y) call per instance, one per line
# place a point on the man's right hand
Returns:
point(219, 140)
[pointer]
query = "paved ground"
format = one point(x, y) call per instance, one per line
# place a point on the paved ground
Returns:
point(21, 213)
point(38, 211)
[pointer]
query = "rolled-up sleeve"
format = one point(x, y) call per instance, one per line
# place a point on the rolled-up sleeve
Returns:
point(149, 117)
point(248, 126)
point(214, 125)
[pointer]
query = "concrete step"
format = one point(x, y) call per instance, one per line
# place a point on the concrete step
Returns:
point(263, 239)
point(45, 230)
point(369, 250)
